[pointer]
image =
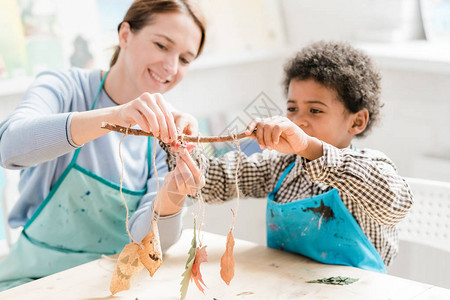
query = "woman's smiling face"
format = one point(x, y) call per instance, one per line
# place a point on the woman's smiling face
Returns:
point(317, 110)
point(158, 56)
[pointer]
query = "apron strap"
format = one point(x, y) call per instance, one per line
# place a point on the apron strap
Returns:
point(99, 90)
point(77, 151)
point(97, 96)
point(149, 155)
point(280, 180)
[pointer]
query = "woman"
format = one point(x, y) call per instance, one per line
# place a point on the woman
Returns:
point(70, 205)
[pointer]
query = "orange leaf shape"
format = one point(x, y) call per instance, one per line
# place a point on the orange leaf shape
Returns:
point(196, 275)
point(227, 260)
point(127, 266)
point(150, 253)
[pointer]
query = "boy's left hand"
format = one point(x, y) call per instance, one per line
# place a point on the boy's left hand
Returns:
point(280, 134)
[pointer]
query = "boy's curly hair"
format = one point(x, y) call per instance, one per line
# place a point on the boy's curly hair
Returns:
point(346, 70)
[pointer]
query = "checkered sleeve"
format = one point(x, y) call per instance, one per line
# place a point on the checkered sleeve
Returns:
point(369, 179)
point(171, 159)
point(255, 175)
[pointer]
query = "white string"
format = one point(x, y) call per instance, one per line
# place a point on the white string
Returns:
point(236, 141)
point(121, 186)
point(157, 181)
point(201, 202)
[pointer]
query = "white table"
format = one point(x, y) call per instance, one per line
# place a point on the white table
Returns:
point(261, 273)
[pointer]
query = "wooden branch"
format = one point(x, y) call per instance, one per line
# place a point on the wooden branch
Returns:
point(186, 138)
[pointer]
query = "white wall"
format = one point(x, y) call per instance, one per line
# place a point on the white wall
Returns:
point(381, 20)
point(7, 105)
point(415, 127)
point(208, 91)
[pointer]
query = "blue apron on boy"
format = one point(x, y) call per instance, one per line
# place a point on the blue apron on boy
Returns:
point(320, 227)
point(81, 219)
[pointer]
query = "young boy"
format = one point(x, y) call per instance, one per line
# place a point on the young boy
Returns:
point(327, 199)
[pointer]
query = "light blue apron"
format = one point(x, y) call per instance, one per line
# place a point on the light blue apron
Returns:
point(320, 227)
point(82, 218)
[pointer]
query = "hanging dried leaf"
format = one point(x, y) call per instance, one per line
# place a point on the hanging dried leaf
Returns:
point(127, 266)
point(196, 275)
point(227, 260)
point(150, 253)
point(188, 268)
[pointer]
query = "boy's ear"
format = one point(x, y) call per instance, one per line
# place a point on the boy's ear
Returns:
point(124, 34)
point(359, 122)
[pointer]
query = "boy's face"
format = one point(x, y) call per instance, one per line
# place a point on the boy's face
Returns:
point(318, 112)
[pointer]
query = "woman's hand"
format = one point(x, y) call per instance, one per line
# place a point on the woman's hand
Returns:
point(281, 134)
point(185, 179)
point(151, 113)
point(186, 123)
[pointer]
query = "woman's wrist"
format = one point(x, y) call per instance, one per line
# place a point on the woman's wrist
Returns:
point(86, 126)
point(168, 203)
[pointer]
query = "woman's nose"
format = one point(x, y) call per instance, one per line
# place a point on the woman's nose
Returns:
point(171, 65)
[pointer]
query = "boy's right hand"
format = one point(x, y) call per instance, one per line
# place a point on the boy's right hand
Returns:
point(281, 134)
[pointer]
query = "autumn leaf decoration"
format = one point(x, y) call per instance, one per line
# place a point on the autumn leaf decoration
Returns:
point(188, 268)
point(196, 276)
point(227, 260)
point(339, 280)
point(134, 257)
point(128, 265)
point(150, 253)
point(192, 272)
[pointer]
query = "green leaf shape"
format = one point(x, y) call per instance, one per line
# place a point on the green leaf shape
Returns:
point(338, 280)
point(188, 268)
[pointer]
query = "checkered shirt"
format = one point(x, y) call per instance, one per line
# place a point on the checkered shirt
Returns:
point(367, 181)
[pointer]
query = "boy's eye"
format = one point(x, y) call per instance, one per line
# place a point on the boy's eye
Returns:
point(292, 109)
point(160, 46)
point(315, 111)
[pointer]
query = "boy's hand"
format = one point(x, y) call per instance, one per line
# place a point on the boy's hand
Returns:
point(281, 134)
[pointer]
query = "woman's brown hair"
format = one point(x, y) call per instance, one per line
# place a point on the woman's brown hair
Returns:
point(141, 13)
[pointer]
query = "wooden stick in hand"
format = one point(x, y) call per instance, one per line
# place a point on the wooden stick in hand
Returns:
point(186, 138)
